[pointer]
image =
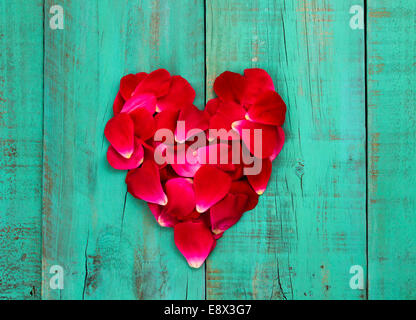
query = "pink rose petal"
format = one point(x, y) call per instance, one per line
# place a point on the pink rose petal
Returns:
point(119, 131)
point(147, 101)
point(167, 119)
point(227, 212)
point(190, 165)
point(259, 181)
point(230, 86)
point(180, 95)
point(270, 138)
point(144, 183)
point(243, 187)
point(156, 83)
point(225, 115)
point(278, 146)
point(195, 120)
point(269, 108)
point(118, 103)
point(167, 220)
point(155, 209)
point(257, 82)
point(218, 154)
point(120, 163)
point(144, 123)
point(181, 198)
point(127, 85)
point(195, 241)
point(210, 185)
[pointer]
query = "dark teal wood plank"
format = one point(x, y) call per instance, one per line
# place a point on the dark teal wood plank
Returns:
point(110, 246)
point(21, 95)
point(391, 43)
point(310, 225)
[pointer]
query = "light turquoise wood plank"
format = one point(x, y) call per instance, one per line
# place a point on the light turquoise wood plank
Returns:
point(391, 43)
point(109, 244)
point(310, 226)
point(21, 96)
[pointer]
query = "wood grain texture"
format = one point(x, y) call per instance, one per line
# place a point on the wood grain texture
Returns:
point(391, 42)
point(21, 95)
point(108, 242)
point(310, 225)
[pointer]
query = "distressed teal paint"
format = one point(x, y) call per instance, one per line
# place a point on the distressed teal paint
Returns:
point(107, 241)
point(392, 149)
point(310, 224)
point(21, 64)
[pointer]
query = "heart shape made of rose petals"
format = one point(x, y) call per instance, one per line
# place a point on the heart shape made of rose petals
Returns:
point(198, 170)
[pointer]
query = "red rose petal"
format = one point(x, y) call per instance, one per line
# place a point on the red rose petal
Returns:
point(257, 82)
point(167, 119)
point(119, 131)
point(259, 181)
point(189, 168)
point(147, 101)
point(167, 220)
point(269, 108)
point(167, 173)
point(144, 183)
point(218, 236)
point(181, 197)
point(118, 103)
point(180, 94)
point(229, 86)
point(210, 185)
point(127, 85)
point(212, 106)
point(186, 170)
point(238, 172)
point(162, 218)
point(243, 187)
point(226, 114)
point(227, 212)
point(149, 153)
point(221, 124)
point(155, 209)
point(231, 110)
point(195, 120)
point(218, 154)
point(279, 146)
point(144, 123)
point(270, 138)
point(194, 215)
point(120, 163)
point(141, 75)
point(157, 83)
point(195, 241)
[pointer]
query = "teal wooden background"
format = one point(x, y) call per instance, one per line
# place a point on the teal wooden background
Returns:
point(341, 194)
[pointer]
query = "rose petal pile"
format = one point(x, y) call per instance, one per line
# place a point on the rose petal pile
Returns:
point(198, 199)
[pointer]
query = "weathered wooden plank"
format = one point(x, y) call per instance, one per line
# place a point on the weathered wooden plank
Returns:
point(310, 226)
point(21, 96)
point(391, 43)
point(107, 242)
